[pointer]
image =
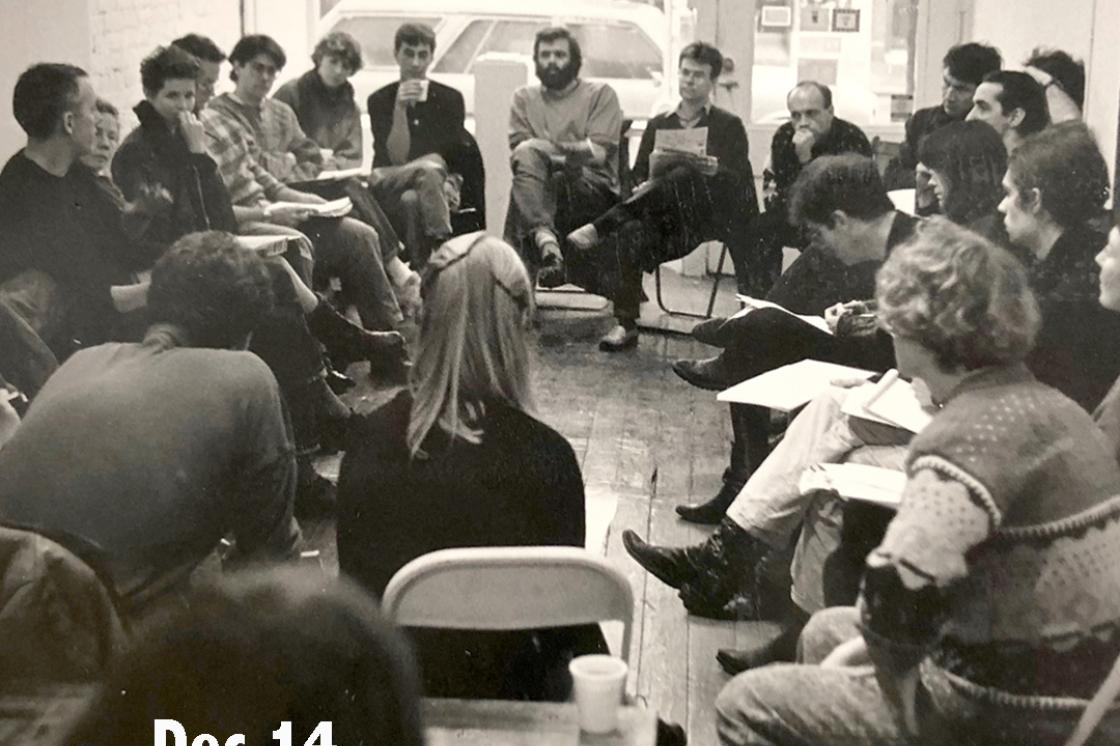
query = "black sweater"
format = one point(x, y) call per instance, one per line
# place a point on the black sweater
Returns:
point(520, 486)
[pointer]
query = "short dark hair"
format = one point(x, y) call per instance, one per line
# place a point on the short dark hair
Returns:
point(106, 107)
point(259, 648)
point(1020, 91)
point(43, 93)
point(1066, 71)
point(972, 156)
point(341, 45)
point(202, 47)
point(1066, 166)
point(211, 287)
point(849, 183)
point(703, 53)
point(555, 33)
point(248, 47)
point(414, 35)
point(971, 61)
point(164, 64)
point(821, 88)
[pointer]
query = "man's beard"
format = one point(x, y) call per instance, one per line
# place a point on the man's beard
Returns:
point(556, 79)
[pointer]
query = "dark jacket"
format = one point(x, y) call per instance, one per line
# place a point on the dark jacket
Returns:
point(328, 116)
point(520, 486)
point(900, 171)
point(842, 137)
point(154, 156)
point(435, 125)
point(1075, 351)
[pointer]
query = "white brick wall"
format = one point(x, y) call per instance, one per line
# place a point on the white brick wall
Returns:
point(124, 31)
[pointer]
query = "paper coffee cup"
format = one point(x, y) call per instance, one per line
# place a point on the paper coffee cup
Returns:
point(424, 89)
point(598, 682)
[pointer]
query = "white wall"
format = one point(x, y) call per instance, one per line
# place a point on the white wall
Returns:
point(26, 38)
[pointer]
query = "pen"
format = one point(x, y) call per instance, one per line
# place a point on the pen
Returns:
point(885, 383)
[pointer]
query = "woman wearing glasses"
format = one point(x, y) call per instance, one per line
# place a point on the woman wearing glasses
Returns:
point(459, 460)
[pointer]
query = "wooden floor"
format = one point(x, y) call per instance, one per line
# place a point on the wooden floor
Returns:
point(648, 441)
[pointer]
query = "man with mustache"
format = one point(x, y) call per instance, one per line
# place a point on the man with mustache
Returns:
point(564, 136)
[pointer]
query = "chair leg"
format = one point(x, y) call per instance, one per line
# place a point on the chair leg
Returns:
point(711, 298)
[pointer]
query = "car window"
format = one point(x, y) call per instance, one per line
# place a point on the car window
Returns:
point(464, 49)
point(619, 50)
point(375, 35)
point(514, 37)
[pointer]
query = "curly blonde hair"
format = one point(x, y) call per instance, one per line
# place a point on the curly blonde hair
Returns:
point(959, 296)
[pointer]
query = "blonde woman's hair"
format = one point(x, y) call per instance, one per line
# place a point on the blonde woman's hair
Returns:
point(477, 305)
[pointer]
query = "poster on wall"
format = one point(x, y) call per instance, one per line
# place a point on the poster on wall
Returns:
point(814, 19)
point(845, 20)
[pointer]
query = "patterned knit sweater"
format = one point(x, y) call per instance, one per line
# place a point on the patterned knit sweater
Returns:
point(1002, 567)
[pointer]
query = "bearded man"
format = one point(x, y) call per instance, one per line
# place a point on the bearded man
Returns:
point(564, 135)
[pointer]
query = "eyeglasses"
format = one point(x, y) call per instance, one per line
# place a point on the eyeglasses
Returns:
point(459, 248)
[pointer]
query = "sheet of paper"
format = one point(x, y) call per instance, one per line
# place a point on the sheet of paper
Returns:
point(333, 209)
point(750, 304)
point(790, 386)
point(694, 140)
point(264, 245)
point(890, 401)
point(344, 173)
point(872, 484)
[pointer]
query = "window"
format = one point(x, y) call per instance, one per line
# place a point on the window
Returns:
point(375, 35)
point(461, 53)
point(512, 37)
point(617, 51)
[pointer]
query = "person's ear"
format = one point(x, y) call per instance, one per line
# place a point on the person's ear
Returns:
point(68, 123)
point(837, 219)
point(1031, 200)
point(1016, 117)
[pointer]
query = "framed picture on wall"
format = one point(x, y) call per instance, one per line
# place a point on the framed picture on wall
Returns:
point(845, 20)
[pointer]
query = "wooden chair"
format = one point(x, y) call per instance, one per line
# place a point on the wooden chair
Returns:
point(509, 588)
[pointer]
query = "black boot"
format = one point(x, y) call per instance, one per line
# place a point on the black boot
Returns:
point(711, 512)
point(707, 574)
point(771, 649)
point(347, 343)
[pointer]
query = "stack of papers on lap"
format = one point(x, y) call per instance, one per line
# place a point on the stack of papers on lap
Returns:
point(693, 141)
point(264, 246)
point(891, 401)
point(752, 304)
point(872, 484)
point(334, 209)
point(344, 173)
point(790, 386)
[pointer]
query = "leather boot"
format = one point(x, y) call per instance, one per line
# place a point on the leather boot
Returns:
point(711, 512)
point(707, 574)
point(347, 343)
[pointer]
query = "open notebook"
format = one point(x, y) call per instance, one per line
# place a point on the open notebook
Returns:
point(334, 209)
point(891, 401)
point(791, 386)
point(872, 484)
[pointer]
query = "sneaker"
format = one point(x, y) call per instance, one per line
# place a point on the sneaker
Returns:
point(619, 338)
point(584, 238)
point(708, 374)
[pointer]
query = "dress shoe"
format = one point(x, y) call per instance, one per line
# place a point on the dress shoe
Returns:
point(670, 566)
point(708, 374)
point(619, 338)
point(551, 273)
point(339, 383)
point(584, 238)
point(780, 649)
point(711, 512)
point(708, 332)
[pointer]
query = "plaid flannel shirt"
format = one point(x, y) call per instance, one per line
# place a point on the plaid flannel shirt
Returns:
point(234, 147)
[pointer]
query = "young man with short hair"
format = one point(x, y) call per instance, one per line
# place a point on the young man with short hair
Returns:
point(1013, 103)
point(210, 58)
point(680, 202)
point(417, 127)
point(64, 256)
point(1063, 79)
point(153, 451)
point(323, 99)
point(962, 70)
